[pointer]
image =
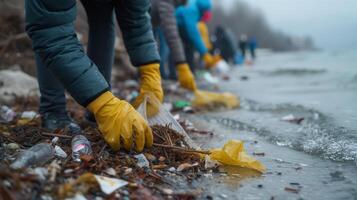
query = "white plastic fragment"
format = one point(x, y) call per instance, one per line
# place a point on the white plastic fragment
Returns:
point(109, 185)
point(60, 153)
point(29, 115)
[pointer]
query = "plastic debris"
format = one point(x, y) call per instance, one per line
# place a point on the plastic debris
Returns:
point(292, 119)
point(87, 181)
point(40, 172)
point(30, 115)
point(209, 163)
point(7, 114)
point(164, 117)
point(36, 155)
point(221, 67)
point(233, 153)
point(207, 99)
point(142, 161)
point(186, 166)
point(111, 171)
point(80, 146)
point(181, 104)
point(60, 153)
point(209, 78)
point(109, 185)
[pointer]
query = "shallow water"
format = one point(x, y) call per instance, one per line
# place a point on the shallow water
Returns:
point(320, 154)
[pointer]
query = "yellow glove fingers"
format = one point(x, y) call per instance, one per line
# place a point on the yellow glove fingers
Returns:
point(126, 136)
point(149, 139)
point(139, 136)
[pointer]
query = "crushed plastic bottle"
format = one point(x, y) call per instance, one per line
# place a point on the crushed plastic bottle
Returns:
point(36, 155)
point(7, 114)
point(80, 146)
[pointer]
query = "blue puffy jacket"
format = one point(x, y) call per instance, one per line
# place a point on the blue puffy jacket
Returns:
point(187, 18)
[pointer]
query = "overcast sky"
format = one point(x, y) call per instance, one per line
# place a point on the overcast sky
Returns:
point(331, 23)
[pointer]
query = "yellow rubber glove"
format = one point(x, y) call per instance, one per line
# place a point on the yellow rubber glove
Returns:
point(120, 123)
point(210, 60)
point(185, 77)
point(150, 85)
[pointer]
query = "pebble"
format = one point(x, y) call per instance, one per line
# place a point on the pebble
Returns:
point(111, 171)
point(128, 171)
point(13, 146)
point(260, 186)
point(172, 169)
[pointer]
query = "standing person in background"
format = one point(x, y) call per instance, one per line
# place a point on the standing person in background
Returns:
point(226, 43)
point(243, 44)
point(63, 64)
point(165, 26)
point(252, 43)
point(187, 19)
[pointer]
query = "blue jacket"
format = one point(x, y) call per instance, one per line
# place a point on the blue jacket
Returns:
point(50, 25)
point(187, 18)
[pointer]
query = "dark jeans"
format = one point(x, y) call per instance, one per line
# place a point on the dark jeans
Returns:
point(165, 55)
point(189, 50)
point(100, 50)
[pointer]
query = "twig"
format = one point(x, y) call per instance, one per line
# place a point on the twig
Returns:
point(182, 149)
point(56, 135)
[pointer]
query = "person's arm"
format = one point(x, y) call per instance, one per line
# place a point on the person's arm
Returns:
point(191, 29)
point(168, 24)
point(49, 24)
point(134, 21)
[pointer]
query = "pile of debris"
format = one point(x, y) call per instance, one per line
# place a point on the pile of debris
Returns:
point(144, 175)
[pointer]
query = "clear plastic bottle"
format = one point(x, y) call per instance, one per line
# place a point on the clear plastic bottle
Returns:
point(80, 146)
point(6, 114)
point(36, 155)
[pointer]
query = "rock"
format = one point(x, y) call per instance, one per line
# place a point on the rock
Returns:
point(16, 84)
point(12, 146)
point(111, 171)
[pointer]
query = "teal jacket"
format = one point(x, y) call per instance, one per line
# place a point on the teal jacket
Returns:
point(187, 18)
point(50, 25)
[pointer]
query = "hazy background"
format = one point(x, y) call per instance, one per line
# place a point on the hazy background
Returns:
point(332, 24)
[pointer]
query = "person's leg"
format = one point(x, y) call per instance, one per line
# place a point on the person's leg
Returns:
point(52, 97)
point(162, 51)
point(101, 37)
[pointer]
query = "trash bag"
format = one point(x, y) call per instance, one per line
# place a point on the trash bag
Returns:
point(233, 153)
point(206, 99)
point(163, 117)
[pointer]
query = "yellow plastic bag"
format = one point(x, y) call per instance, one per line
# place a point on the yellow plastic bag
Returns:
point(207, 99)
point(233, 153)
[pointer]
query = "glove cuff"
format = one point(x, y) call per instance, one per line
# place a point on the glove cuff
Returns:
point(182, 67)
point(149, 68)
point(99, 102)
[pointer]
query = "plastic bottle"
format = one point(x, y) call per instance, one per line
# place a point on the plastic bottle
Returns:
point(6, 114)
point(80, 146)
point(36, 155)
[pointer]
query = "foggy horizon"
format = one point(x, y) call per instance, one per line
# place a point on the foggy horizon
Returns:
point(331, 25)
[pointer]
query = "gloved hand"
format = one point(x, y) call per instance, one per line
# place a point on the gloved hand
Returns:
point(150, 85)
point(120, 123)
point(210, 60)
point(185, 77)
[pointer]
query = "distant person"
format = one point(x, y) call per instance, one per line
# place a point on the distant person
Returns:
point(226, 43)
point(243, 44)
point(166, 31)
point(252, 44)
point(187, 18)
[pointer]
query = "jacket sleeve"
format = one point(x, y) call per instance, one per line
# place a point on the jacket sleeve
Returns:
point(49, 24)
point(135, 23)
point(203, 29)
point(168, 24)
point(190, 27)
